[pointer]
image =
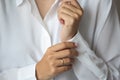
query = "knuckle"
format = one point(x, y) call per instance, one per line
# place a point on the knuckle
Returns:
point(63, 4)
point(81, 12)
point(51, 63)
point(53, 71)
point(49, 57)
point(76, 16)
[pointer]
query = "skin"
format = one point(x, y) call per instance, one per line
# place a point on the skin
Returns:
point(51, 65)
point(44, 6)
point(70, 13)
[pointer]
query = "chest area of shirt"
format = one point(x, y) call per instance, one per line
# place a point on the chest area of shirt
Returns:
point(26, 33)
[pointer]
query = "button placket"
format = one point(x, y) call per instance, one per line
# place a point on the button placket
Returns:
point(45, 38)
point(46, 42)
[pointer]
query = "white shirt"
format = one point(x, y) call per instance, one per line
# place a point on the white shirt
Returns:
point(24, 38)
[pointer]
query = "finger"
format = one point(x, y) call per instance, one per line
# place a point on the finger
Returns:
point(64, 62)
point(76, 4)
point(72, 8)
point(69, 12)
point(66, 53)
point(62, 46)
point(63, 69)
point(73, 2)
point(66, 17)
point(63, 16)
point(60, 10)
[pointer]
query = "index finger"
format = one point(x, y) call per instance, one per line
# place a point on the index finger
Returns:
point(62, 46)
point(73, 2)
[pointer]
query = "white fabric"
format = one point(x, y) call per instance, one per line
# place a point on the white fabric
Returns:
point(24, 38)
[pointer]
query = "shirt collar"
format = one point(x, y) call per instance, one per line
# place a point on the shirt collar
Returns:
point(19, 2)
point(82, 3)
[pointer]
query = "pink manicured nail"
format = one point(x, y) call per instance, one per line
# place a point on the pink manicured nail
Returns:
point(62, 21)
point(76, 44)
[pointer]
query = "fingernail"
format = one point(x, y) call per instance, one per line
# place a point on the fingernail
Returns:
point(76, 44)
point(62, 21)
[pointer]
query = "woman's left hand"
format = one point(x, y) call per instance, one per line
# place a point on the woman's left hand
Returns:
point(69, 14)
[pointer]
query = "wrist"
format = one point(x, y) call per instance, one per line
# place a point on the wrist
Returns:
point(39, 76)
point(65, 37)
point(37, 73)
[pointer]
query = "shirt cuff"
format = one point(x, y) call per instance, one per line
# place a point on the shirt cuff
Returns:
point(27, 73)
point(89, 59)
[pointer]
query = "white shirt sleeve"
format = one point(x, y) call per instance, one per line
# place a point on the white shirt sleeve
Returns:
point(90, 67)
point(24, 73)
point(88, 58)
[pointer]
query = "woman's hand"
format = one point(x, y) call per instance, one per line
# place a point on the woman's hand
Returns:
point(69, 14)
point(57, 59)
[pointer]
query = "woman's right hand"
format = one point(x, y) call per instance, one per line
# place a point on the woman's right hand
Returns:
point(57, 59)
